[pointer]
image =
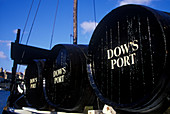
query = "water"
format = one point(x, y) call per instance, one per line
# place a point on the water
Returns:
point(3, 99)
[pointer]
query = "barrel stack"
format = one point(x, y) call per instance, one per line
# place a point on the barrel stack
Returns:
point(128, 59)
point(124, 66)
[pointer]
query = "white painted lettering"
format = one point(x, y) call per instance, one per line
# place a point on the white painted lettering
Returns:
point(120, 61)
point(125, 48)
point(133, 58)
point(59, 79)
point(135, 46)
point(109, 53)
point(59, 72)
point(33, 82)
point(58, 75)
point(126, 60)
point(117, 49)
point(113, 62)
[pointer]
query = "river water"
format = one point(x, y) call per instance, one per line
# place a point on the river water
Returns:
point(3, 99)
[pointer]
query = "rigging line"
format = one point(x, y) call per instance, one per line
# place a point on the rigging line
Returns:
point(54, 24)
point(30, 31)
point(26, 21)
point(94, 8)
point(33, 22)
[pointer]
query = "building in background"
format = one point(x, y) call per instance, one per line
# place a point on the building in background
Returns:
point(1, 75)
point(6, 76)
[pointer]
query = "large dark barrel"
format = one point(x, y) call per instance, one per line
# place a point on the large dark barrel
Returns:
point(34, 84)
point(128, 59)
point(66, 84)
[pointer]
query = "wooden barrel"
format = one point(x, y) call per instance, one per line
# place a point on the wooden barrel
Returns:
point(128, 59)
point(34, 84)
point(66, 81)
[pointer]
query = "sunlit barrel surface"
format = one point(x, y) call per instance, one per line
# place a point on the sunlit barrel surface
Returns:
point(128, 58)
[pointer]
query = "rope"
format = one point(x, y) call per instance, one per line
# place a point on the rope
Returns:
point(33, 22)
point(26, 21)
point(94, 8)
point(30, 29)
point(54, 24)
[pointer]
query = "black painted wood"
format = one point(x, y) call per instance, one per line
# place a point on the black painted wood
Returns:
point(128, 59)
point(34, 84)
point(67, 86)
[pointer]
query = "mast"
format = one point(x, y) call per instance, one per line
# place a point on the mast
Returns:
point(75, 22)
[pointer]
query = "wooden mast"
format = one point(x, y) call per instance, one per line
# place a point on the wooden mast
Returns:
point(75, 22)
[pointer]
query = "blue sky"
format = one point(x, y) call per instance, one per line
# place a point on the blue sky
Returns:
point(13, 15)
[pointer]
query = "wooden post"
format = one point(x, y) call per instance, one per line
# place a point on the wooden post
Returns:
point(75, 22)
point(14, 68)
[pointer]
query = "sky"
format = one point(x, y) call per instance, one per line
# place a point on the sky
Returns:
point(14, 13)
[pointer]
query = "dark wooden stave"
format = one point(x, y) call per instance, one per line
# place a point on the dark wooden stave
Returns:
point(136, 81)
point(34, 84)
point(74, 92)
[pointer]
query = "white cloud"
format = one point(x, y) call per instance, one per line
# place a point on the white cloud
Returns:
point(7, 42)
point(15, 31)
point(2, 55)
point(143, 2)
point(88, 26)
